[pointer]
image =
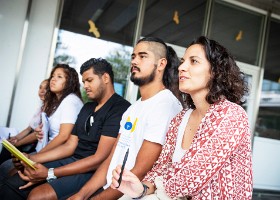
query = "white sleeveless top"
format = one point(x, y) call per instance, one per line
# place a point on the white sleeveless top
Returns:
point(179, 152)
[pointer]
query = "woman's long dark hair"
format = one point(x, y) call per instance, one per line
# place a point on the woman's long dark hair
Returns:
point(72, 85)
point(227, 81)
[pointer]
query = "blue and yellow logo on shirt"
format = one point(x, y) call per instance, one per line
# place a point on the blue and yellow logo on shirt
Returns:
point(129, 126)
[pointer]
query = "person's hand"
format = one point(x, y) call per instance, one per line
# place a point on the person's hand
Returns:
point(13, 140)
point(39, 132)
point(30, 183)
point(13, 171)
point(16, 162)
point(32, 175)
point(130, 184)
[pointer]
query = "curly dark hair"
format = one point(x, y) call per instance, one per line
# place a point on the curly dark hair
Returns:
point(72, 85)
point(170, 76)
point(227, 81)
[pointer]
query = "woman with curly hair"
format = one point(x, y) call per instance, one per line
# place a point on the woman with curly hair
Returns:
point(61, 106)
point(207, 152)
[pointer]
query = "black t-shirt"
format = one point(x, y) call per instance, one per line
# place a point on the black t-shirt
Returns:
point(106, 121)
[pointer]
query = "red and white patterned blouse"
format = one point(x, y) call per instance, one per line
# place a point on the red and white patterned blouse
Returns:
point(218, 164)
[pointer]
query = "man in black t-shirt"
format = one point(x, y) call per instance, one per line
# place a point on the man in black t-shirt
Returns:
point(68, 167)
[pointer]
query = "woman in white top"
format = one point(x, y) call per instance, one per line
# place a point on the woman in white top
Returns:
point(26, 139)
point(62, 105)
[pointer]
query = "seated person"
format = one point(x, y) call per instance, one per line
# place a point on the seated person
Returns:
point(68, 166)
point(62, 104)
point(153, 67)
point(207, 153)
point(22, 140)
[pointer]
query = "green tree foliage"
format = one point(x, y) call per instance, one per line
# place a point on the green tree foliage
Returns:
point(120, 60)
point(61, 54)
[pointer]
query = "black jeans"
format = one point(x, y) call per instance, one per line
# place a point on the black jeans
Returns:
point(9, 188)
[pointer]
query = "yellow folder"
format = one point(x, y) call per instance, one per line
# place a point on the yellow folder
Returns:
point(11, 148)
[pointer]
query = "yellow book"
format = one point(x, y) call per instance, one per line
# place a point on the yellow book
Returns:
point(11, 148)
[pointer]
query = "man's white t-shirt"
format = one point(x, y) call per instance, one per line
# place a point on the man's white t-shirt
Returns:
point(152, 118)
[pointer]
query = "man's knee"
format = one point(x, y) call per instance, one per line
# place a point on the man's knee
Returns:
point(42, 192)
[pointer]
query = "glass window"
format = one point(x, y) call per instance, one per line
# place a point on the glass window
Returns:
point(248, 80)
point(269, 112)
point(176, 22)
point(93, 28)
point(238, 29)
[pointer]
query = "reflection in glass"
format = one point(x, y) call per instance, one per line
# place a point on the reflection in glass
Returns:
point(92, 28)
point(238, 29)
point(267, 124)
point(268, 121)
point(177, 22)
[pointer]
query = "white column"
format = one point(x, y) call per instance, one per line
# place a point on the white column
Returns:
point(35, 60)
point(12, 18)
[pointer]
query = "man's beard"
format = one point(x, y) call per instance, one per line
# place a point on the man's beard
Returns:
point(143, 80)
point(99, 93)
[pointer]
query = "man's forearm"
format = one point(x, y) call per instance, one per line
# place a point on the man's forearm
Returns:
point(97, 181)
point(53, 154)
point(108, 194)
point(62, 151)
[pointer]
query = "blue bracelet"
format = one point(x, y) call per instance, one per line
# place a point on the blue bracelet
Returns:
point(143, 193)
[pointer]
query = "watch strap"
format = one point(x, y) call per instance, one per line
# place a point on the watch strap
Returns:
point(143, 193)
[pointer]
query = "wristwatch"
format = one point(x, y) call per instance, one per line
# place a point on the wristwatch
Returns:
point(51, 175)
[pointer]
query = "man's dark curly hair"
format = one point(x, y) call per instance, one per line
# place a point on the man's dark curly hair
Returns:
point(99, 66)
point(72, 86)
point(227, 81)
